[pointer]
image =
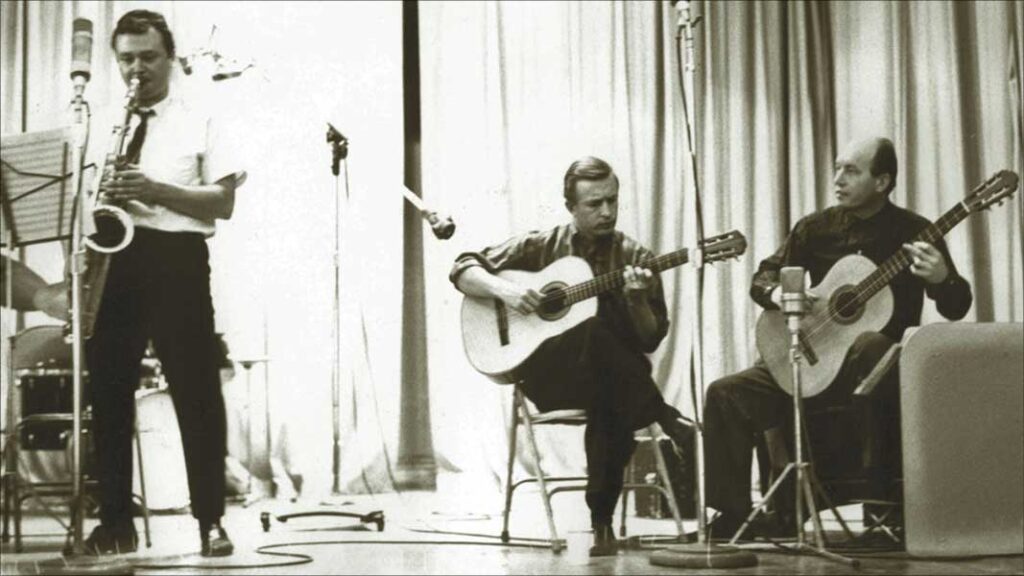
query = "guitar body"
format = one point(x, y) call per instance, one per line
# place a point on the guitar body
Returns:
point(829, 328)
point(497, 351)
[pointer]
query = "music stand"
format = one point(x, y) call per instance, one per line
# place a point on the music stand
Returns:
point(35, 207)
point(36, 171)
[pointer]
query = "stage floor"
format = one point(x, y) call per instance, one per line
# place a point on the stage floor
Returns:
point(411, 543)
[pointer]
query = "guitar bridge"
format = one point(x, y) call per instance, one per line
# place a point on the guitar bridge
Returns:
point(499, 308)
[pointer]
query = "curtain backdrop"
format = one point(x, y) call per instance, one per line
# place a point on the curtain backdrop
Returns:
point(272, 263)
point(513, 92)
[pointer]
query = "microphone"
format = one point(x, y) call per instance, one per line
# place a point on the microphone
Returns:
point(81, 53)
point(794, 298)
point(339, 148)
point(685, 24)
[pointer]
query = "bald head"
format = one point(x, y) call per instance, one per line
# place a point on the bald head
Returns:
point(865, 174)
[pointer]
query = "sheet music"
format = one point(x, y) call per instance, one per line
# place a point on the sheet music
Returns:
point(36, 172)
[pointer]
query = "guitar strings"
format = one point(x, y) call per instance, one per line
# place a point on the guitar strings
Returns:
point(882, 275)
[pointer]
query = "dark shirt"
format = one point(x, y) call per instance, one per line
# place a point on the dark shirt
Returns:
point(818, 241)
point(533, 251)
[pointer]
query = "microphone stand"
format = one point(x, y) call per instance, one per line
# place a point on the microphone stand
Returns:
point(339, 153)
point(794, 306)
point(702, 554)
point(76, 558)
point(685, 32)
point(80, 131)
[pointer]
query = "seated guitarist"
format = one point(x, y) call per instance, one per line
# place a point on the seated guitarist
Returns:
point(744, 408)
point(600, 365)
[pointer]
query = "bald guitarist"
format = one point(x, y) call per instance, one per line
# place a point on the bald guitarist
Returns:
point(745, 407)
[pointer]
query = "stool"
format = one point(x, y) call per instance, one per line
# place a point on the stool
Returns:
point(521, 414)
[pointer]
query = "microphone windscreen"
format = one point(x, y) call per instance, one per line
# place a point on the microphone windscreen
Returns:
point(81, 48)
point(791, 278)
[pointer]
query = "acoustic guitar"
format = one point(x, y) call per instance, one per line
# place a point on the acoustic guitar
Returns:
point(498, 340)
point(853, 298)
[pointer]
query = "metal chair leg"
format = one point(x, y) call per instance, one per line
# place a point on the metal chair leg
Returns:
point(670, 494)
point(556, 544)
point(509, 488)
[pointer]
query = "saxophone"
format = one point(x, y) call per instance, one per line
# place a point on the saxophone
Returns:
point(114, 228)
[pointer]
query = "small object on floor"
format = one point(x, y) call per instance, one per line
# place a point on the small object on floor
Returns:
point(605, 543)
point(703, 556)
point(265, 521)
point(215, 541)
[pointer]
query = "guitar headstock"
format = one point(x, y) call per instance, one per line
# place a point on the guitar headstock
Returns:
point(995, 190)
point(724, 246)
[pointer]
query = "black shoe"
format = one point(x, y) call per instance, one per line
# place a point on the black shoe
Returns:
point(215, 540)
point(605, 543)
point(681, 432)
point(722, 529)
point(119, 538)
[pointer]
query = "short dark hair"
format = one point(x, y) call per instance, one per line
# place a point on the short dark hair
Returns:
point(586, 168)
point(139, 22)
point(884, 161)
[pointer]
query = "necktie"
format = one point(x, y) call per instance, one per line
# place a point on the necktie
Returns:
point(138, 137)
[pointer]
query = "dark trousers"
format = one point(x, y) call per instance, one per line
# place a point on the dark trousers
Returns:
point(739, 408)
point(158, 288)
point(589, 367)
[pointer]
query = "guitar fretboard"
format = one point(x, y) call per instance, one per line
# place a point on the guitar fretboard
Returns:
point(901, 259)
point(614, 280)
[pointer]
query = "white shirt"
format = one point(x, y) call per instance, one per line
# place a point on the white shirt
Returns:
point(182, 146)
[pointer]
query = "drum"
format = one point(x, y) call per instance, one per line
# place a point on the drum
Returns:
point(162, 458)
point(44, 384)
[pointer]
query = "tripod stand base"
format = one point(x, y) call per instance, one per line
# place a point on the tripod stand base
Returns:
point(79, 564)
point(703, 556)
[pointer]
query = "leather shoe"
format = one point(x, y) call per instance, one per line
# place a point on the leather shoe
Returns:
point(215, 540)
point(681, 433)
point(119, 538)
point(605, 543)
point(722, 529)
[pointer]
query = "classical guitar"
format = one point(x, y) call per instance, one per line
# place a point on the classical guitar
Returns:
point(498, 340)
point(853, 298)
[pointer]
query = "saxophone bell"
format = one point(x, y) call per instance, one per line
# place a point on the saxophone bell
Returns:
point(114, 229)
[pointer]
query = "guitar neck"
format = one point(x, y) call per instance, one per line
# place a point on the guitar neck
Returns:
point(613, 280)
point(901, 260)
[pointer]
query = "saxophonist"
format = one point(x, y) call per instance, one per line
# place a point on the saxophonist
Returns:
point(175, 180)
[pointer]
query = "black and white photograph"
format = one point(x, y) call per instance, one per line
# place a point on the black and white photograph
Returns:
point(512, 287)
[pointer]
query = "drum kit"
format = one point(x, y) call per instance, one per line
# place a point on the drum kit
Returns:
point(40, 401)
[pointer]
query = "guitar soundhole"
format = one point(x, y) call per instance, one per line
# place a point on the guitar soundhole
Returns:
point(845, 306)
point(554, 305)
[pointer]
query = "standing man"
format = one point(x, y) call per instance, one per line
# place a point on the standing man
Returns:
point(746, 407)
point(179, 180)
point(601, 364)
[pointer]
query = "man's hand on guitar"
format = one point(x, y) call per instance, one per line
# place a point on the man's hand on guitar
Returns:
point(927, 262)
point(520, 299)
point(637, 280)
